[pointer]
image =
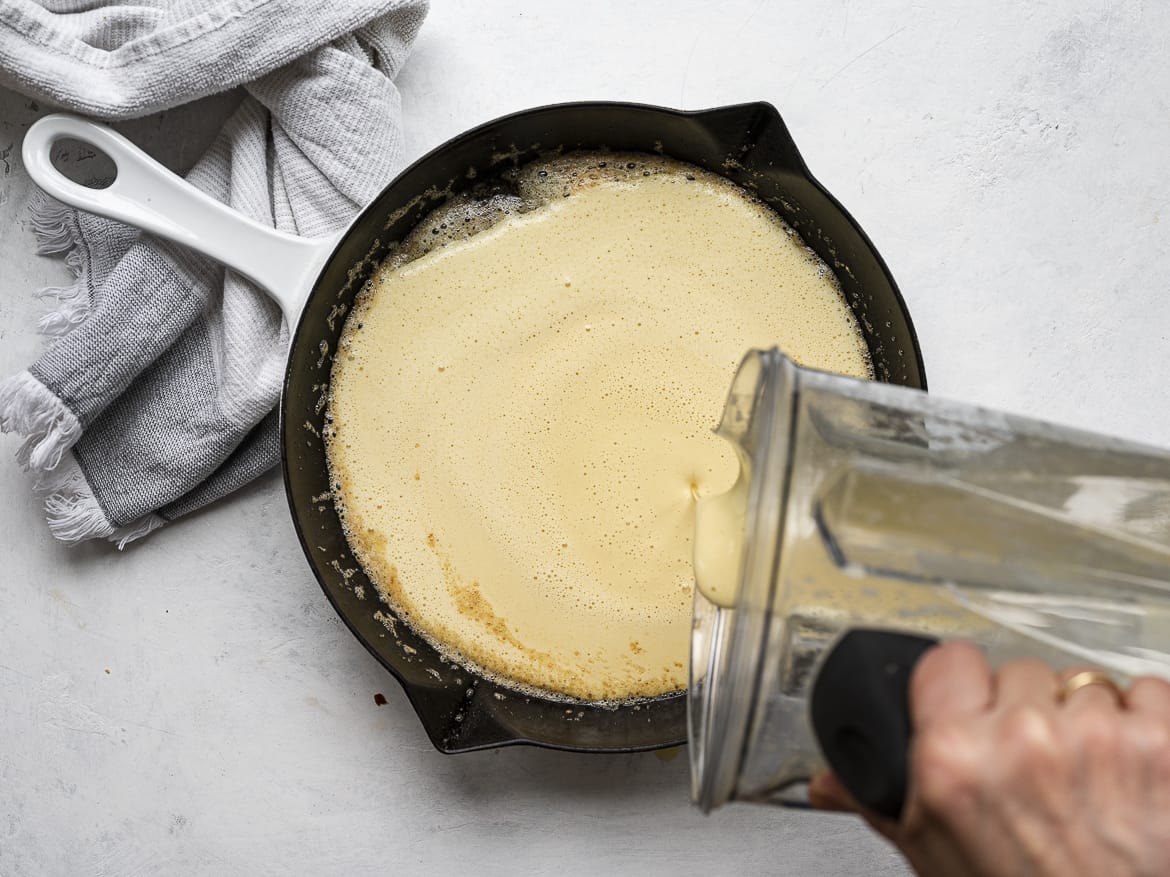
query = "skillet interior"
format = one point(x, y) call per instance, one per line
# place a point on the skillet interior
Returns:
point(747, 143)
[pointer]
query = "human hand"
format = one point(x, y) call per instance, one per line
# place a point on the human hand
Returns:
point(1007, 777)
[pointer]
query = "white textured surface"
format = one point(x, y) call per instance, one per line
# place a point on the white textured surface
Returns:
point(1009, 162)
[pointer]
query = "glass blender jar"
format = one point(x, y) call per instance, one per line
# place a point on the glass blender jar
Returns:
point(875, 508)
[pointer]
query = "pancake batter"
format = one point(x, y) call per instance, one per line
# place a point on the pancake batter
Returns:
point(522, 407)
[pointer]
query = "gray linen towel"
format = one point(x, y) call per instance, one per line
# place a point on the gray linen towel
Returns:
point(157, 395)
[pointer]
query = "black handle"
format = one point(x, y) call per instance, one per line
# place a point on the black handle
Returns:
point(860, 713)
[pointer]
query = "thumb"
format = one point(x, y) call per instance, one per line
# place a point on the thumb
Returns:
point(825, 792)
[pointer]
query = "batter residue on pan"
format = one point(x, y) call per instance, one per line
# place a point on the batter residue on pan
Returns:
point(522, 406)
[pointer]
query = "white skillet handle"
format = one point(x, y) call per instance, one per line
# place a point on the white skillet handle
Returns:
point(148, 196)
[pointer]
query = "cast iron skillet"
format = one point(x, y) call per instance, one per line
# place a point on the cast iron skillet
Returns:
point(315, 282)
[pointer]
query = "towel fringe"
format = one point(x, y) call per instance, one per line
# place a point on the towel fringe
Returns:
point(71, 509)
point(71, 312)
point(135, 530)
point(74, 514)
point(61, 293)
point(29, 408)
point(56, 232)
point(52, 224)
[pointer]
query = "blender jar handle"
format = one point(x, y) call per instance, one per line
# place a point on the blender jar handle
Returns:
point(860, 710)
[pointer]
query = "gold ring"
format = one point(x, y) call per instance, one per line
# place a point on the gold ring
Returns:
point(1090, 677)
